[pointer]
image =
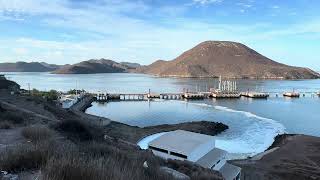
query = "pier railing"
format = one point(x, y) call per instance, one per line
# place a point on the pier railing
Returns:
point(103, 97)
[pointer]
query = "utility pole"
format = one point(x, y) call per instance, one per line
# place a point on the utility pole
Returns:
point(29, 89)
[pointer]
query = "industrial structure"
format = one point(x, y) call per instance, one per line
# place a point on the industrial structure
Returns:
point(197, 148)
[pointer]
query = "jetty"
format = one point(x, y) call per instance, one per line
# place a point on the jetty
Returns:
point(194, 95)
point(226, 89)
point(80, 107)
point(258, 95)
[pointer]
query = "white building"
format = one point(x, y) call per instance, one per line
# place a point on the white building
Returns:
point(194, 147)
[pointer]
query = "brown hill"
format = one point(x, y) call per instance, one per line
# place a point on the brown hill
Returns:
point(93, 66)
point(27, 67)
point(228, 59)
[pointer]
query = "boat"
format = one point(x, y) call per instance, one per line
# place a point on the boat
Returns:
point(292, 94)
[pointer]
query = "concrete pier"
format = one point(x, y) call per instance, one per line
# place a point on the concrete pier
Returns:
point(80, 107)
point(257, 95)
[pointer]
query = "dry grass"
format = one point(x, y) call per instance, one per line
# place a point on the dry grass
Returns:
point(5, 125)
point(11, 117)
point(79, 130)
point(86, 161)
point(193, 171)
point(24, 157)
point(37, 133)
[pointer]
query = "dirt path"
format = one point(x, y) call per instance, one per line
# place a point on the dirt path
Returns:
point(16, 108)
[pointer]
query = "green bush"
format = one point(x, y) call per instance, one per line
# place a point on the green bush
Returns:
point(51, 95)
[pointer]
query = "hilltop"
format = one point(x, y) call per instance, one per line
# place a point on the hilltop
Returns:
point(228, 59)
point(27, 67)
point(96, 66)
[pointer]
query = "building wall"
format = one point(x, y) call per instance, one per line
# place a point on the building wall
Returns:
point(218, 166)
point(166, 156)
point(201, 150)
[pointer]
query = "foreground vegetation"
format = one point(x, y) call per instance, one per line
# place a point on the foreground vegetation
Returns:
point(59, 144)
point(75, 150)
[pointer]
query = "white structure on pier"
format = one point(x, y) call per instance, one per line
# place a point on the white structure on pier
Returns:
point(227, 86)
point(194, 147)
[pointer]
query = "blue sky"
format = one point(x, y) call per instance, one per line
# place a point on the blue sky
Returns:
point(69, 31)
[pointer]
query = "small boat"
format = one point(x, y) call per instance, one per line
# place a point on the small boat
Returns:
point(292, 94)
point(318, 93)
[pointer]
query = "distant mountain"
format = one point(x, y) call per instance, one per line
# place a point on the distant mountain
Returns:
point(93, 66)
point(131, 65)
point(27, 67)
point(228, 59)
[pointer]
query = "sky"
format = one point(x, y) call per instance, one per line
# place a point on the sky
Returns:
point(142, 31)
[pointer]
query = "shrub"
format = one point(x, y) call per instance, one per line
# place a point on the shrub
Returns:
point(2, 109)
point(13, 118)
point(78, 130)
point(51, 95)
point(95, 161)
point(37, 133)
point(5, 125)
point(23, 157)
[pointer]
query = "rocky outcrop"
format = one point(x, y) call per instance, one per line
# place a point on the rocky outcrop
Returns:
point(9, 85)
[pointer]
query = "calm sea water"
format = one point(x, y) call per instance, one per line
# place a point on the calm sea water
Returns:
point(253, 123)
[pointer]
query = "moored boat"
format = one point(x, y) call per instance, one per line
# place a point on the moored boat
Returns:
point(292, 94)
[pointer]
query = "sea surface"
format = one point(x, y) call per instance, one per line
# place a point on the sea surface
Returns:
point(253, 123)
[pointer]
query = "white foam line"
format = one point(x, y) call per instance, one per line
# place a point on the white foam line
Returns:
point(248, 114)
point(254, 140)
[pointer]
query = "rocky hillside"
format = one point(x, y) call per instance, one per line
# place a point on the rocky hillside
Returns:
point(131, 65)
point(9, 85)
point(27, 67)
point(228, 59)
point(93, 66)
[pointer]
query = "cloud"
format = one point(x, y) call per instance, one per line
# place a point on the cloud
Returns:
point(125, 30)
point(205, 2)
point(20, 51)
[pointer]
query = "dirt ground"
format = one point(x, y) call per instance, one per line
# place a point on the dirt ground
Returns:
point(297, 158)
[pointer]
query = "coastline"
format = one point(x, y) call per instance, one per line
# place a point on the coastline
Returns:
point(291, 156)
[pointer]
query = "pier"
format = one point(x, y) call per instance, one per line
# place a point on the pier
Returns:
point(216, 94)
point(226, 89)
point(258, 95)
point(292, 94)
point(80, 107)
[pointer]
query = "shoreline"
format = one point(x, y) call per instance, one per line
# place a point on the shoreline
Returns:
point(128, 136)
point(291, 156)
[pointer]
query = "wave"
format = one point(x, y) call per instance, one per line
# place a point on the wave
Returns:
point(248, 136)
